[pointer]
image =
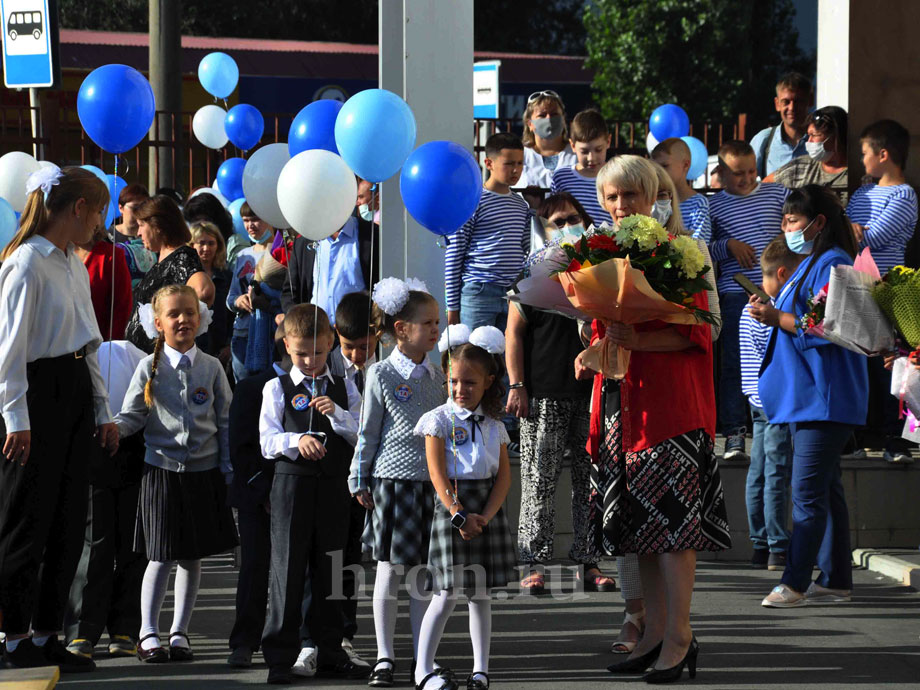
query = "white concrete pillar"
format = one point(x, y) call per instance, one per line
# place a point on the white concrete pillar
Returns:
point(833, 84)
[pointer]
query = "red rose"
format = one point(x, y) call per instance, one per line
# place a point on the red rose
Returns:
point(574, 266)
point(604, 242)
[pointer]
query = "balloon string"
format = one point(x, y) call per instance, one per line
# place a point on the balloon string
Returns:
point(370, 316)
point(315, 320)
point(108, 377)
point(450, 394)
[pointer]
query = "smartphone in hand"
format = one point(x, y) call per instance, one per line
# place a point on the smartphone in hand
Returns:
point(750, 288)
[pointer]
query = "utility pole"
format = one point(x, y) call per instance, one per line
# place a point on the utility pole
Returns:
point(166, 80)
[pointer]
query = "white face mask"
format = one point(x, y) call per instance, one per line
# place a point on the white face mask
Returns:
point(816, 151)
point(662, 211)
point(364, 210)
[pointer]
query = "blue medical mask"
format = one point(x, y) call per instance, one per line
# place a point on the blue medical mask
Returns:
point(796, 240)
point(364, 210)
point(576, 230)
point(662, 211)
point(266, 237)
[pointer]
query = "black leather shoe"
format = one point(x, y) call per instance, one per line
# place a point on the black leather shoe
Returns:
point(26, 655)
point(670, 675)
point(383, 677)
point(280, 675)
point(637, 665)
point(241, 657)
point(156, 655)
point(56, 654)
point(177, 652)
point(447, 682)
point(343, 669)
point(473, 683)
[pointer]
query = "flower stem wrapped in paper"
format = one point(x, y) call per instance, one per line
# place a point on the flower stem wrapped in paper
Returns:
point(631, 274)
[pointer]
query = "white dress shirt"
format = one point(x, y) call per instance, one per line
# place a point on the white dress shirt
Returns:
point(477, 443)
point(46, 311)
point(118, 359)
point(174, 356)
point(408, 369)
point(275, 441)
point(351, 369)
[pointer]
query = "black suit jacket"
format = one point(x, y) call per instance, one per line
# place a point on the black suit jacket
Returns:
point(299, 288)
point(245, 452)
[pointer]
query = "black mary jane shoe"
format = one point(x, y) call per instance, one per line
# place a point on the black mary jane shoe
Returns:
point(442, 671)
point(156, 655)
point(670, 675)
point(473, 683)
point(447, 681)
point(382, 677)
point(178, 653)
point(638, 665)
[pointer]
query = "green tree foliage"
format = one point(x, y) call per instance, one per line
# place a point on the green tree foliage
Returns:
point(714, 58)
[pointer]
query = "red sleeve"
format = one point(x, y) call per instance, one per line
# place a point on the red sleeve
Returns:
point(124, 300)
point(700, 334)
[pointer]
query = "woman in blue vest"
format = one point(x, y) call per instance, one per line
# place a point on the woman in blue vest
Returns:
point(821, 390)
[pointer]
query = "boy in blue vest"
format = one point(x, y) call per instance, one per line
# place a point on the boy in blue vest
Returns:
point(309, 425)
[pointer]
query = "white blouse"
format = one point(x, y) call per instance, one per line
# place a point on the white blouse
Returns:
point(477, 438)
point(536, 174)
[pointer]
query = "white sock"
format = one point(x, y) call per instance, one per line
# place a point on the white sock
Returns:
point(418, 605)
point(439, 609)
point(386, 591)
point(481, 632)
point(39, 640)
point(188, 577)
point(153, 591)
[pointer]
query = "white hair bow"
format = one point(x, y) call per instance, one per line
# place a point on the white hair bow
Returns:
point(489, 338)
point(391, 294)
point(148, 319)
point(44, 178)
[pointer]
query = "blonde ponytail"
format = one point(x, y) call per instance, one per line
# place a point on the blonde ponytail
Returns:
point(74, 184)
point(148, 387)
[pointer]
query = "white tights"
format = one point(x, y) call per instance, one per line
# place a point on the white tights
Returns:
point(386, 604)
point(439, 610)
point(153, 591)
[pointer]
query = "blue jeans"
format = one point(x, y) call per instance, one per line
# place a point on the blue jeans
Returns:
point(483, 304)
point(732, 402)
point(820, 521)
point(238, 357)
point(767, 489)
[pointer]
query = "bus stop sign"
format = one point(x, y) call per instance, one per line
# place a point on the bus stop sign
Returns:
point(27, 41)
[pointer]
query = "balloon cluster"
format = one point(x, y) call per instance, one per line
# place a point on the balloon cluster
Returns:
point(671, 121)
point(242, 125)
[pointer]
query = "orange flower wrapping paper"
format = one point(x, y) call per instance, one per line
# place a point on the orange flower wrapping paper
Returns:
point(615, 291)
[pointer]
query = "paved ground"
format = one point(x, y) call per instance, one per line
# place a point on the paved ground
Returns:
point(562, 643)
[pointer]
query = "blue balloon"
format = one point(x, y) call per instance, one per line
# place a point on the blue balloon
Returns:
point(218, 74)
point(116, 107)
point(440, 185)
point(244, 126)
point(230, 178)
point(314, 127)
point(699, 157)
point(8, 222)
point(237, 217)
point(375, 132)
point(115, 185)
point(669, 121)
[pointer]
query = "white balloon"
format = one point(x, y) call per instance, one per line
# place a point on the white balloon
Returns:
point(208, 126)
point(15, 168)
point(651, 142)
point(316, 193)
point(213, 192)
point(260, 183)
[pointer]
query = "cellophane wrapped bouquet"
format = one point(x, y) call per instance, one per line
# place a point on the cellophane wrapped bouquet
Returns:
point(898, 294)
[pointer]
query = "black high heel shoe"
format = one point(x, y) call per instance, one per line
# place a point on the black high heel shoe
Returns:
point(670, 675)
point(637, 665)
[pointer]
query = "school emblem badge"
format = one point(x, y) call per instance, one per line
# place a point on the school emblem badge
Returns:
point(403, 392)
point(461, 436)
point(200, 396)
point(300, 401)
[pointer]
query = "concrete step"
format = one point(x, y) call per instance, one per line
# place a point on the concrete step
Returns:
point(902, 565)
point(42, 678)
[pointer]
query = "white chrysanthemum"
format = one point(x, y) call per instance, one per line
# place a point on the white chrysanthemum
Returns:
point(691, 258)
point(456, 334)
point(489, 338)
point(391, 295)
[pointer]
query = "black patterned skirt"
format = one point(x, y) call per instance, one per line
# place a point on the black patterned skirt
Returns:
point(664, 498)
point(469, 567)
point(400, 523)
point(183, 516)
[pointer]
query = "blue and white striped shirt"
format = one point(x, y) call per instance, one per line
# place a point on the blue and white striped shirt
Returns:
point(754, 219)
point(490, 247)
point(889, 215)
point(753, 337)
point(582, 188)
point(695, 214)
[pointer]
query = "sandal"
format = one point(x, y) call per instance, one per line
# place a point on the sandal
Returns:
point(473, 683)
point(597, 582)
point(627, 646)
point(534, 584)
point(382, 677)
point(447, 683)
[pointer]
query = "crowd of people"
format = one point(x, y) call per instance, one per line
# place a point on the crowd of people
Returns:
point(189, 390)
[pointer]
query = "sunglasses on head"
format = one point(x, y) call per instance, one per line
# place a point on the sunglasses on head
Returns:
point(824, 122)
point(542, 94)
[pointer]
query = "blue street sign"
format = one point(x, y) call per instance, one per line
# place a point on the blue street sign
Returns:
point(27, 59)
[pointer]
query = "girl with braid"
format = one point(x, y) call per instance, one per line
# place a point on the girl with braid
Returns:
point(180, 396)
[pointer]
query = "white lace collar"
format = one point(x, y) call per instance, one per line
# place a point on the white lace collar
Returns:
point(406, 368)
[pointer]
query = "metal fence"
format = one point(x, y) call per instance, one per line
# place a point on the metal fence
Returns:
point(179, 161)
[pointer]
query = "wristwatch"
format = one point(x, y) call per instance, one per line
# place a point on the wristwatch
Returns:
point(458, 519)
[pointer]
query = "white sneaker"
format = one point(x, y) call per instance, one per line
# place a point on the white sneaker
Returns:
point(783, 597)
point(353, 656)
point(305, 666)
point(816, 592)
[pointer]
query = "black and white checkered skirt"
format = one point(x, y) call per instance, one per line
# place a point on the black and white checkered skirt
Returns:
point(486, 561)
point(401, 521)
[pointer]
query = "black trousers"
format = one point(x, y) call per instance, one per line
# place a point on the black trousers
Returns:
point(309, 519)
point(106, 590)
point(43, 503)
point(252, 587)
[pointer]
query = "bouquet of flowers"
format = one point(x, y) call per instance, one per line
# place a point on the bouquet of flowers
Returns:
point(812, 321)
point(633, 273)
point(898, 294)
